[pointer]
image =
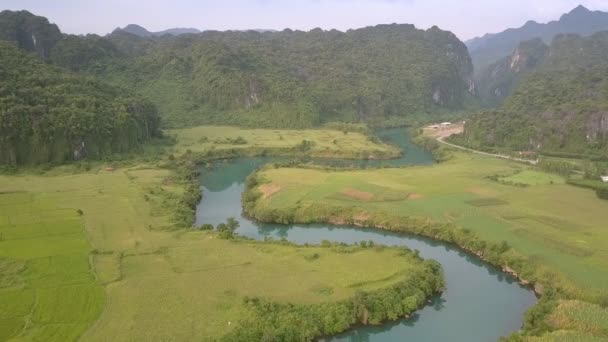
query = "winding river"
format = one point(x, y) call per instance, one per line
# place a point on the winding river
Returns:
point(481, 303)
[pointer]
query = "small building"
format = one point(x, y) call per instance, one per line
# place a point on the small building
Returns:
point(445, 124)
point(605, 179)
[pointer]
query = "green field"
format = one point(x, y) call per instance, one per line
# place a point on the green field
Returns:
point(326, 142)
point(96, 253)
point(559, 227)
point(531, 177)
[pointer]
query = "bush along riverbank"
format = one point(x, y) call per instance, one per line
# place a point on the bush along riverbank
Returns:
point(270, 321)
point(303, 150)
point(185, 171)
point(549, 285)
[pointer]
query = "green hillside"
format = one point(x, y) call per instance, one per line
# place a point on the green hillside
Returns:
point(497, 82)
point(50, 115)
point(560, 107)
point(492, 47)
point(282, 79)
point(287, 79)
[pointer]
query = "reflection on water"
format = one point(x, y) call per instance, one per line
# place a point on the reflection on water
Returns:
point(480, 303)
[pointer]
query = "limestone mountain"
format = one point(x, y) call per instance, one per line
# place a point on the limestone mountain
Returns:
point(385, 73)
point(50, 115)
point(497, 81)
point(29, 32)
point(490, 48)
point(283, 79)
point(561, 106)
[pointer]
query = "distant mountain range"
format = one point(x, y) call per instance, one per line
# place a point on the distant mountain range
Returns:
point(558, 100)
point(491, 47)
point(142, 32)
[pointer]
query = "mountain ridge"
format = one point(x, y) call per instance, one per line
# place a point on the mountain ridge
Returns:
point(143, 32)
point(491, 47)
point(559, 106)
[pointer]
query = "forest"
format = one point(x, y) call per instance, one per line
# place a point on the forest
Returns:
point(49, 115)
point(560, 106)
point(287, 79)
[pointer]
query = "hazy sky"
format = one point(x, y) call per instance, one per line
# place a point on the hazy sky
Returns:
point(466, 18)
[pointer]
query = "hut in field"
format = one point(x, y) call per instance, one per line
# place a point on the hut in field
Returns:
point(604, 179)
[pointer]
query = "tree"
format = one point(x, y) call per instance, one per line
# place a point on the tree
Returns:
point(227, 230)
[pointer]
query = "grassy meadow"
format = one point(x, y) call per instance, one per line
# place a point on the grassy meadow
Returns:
point(95, 254)
point(325, 142)
point(559, 227)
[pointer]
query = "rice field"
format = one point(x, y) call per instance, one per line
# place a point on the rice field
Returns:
point(325, 142)
point(558, 226)
point(89, 255)
point(531, 177)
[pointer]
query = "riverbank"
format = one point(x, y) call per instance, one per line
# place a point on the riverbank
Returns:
point(437, 201)
point(352, 142)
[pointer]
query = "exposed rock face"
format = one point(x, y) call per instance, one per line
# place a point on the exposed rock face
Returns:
point(559, 100)
point(491, 48)
point(597, 127)
point(272, 79)
point(29, 32)
point(497, 82)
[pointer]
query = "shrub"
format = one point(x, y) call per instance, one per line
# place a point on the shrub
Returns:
point(602, 193)
point(206, 226)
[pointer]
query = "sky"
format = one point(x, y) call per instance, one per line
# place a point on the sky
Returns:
point(466, 18)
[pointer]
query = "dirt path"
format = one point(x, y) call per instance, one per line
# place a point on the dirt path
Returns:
point(443, 133)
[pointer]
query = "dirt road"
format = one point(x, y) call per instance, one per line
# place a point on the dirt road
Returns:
point(441, 133)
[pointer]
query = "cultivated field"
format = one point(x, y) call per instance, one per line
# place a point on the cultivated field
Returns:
point(95, 253)
point(325, 142)
point(559, 227)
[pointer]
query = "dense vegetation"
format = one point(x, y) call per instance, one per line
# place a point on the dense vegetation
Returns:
point(560, 107)
point(273, 79)
point(50, 115)
point(490, 48)
point(292, 79)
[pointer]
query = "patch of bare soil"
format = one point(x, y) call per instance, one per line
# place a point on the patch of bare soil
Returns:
point(269, 189)
point(357, 194)
point(362, 217)
point(414, 196)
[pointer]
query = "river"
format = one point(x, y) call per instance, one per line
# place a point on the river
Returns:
point(481, 303)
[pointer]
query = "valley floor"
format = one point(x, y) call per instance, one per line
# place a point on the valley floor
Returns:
point(145, 282)
point(557, 228)
point(324, 143)
point(96, 253)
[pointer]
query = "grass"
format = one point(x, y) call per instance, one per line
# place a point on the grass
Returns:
point(531, 177)
point(576, 315)
point(48, 291)
point(119, 271)
point(558, 226)
point(575, 321)
point(326, 142)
